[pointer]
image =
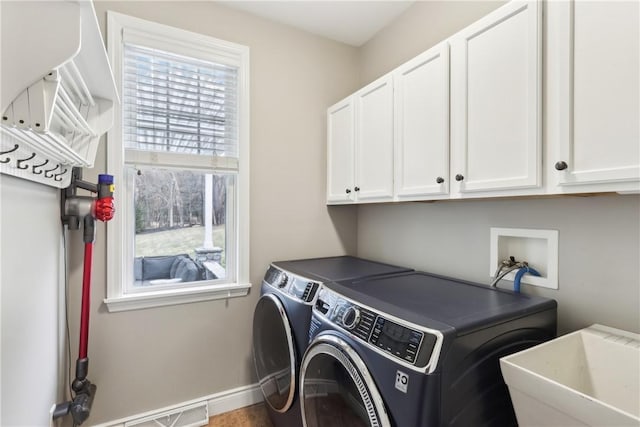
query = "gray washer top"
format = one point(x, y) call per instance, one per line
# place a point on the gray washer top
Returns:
point(338, 268)
point(441, 302)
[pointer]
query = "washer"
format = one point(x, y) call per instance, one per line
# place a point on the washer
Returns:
point(281, 324)
point(416, 350)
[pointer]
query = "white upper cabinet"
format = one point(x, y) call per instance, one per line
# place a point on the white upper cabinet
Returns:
point(360, 146)
point(496, 102)
point(594, 88)
point(422, 125)
point(374, 141)
point(464, 119)
point(340, 152)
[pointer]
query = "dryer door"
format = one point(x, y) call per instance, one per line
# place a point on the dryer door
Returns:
point(336, 388)
point(274, 352)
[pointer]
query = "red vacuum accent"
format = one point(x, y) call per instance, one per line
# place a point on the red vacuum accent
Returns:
point(104, 209)
point(86, 301)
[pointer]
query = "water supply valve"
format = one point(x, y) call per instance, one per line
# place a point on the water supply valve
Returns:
point(508, 265)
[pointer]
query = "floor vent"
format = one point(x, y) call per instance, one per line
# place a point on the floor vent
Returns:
point(195, 415)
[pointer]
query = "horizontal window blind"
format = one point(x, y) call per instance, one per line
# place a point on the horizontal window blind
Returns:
point(177, 104)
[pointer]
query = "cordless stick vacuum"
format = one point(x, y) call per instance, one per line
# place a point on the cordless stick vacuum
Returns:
point(75, 210)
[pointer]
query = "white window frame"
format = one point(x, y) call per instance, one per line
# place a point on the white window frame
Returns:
point(120, 229)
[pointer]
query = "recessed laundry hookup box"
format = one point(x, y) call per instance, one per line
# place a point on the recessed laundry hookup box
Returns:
point(590, 377)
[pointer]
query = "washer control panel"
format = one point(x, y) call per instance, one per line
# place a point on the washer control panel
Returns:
point(392, 337)
point(396, 339)
point(291, 284)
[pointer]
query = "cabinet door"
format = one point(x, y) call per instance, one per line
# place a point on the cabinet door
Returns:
point(374, 141)
point(340, 152)
point(495, 97)
point(422, 125)
point(598, 71)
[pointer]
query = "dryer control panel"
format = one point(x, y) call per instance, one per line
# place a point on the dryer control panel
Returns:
point(386, 334)
point(291, 284)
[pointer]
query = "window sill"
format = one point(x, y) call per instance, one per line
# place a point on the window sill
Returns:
point(176, 296)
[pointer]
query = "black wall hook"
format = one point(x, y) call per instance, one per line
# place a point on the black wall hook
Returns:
point(35, 172)
point(55, 177)
point(50, 175)
point(24, 160)
point(15, 147)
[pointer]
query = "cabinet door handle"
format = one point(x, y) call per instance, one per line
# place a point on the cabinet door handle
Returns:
point(348, 190)
point(560, 166)
point(356, 189)
point(459, 177)
point(439, 180)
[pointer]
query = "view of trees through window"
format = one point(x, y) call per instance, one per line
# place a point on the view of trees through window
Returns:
point(168, 199)
point(171, 216)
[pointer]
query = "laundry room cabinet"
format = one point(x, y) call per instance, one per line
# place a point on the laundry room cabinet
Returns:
point(594, 124)
point(422, 126)
point(461, 119)
point(464, 118)
point(496, 82)
point(340, 152)
point(360, 146)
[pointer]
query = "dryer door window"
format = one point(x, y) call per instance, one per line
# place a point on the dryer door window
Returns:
point(336, 388)
point(274, 352)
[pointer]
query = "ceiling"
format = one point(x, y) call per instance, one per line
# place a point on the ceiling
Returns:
point(350, 22)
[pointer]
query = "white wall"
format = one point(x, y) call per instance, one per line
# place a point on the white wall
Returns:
point(599, 240)
point(30, 232)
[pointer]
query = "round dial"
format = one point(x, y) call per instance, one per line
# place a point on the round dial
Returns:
point(351, 317)
point(284, 279)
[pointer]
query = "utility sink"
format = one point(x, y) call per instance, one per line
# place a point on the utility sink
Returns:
point(590, 377)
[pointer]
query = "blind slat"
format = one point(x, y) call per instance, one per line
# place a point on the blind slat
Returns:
point(154, 132)
point(156, 92)
point(178, 75)
point(162, 115)
point(147, 54)
point(176, 104)
point(159, 102)
point(157, 124)
point(182, 146)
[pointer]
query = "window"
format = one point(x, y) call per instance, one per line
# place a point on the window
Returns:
point(179, 152)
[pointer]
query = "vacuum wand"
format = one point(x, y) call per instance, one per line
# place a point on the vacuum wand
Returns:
point(88, 209)
point(102, 210)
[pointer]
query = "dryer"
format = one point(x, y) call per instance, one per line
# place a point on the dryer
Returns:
point(416, 350)
point(281, 323)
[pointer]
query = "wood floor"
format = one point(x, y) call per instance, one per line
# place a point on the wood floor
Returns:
point(251, 416)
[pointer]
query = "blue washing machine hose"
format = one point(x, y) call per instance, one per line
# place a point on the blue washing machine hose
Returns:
point(521, 272)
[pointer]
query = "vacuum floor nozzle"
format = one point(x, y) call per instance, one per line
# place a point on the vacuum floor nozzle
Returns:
point(79, 407)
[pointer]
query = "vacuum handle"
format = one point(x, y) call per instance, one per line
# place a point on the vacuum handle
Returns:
point(86, 301)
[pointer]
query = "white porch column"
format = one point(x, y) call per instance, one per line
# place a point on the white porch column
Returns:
point(208, 212)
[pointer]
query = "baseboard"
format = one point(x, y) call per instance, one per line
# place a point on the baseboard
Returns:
point(217, 403)
point(234, 399)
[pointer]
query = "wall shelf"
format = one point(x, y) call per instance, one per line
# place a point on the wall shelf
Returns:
point(57, 90)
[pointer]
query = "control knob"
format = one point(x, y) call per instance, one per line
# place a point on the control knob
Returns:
point(350, 317)
point(283, 280)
